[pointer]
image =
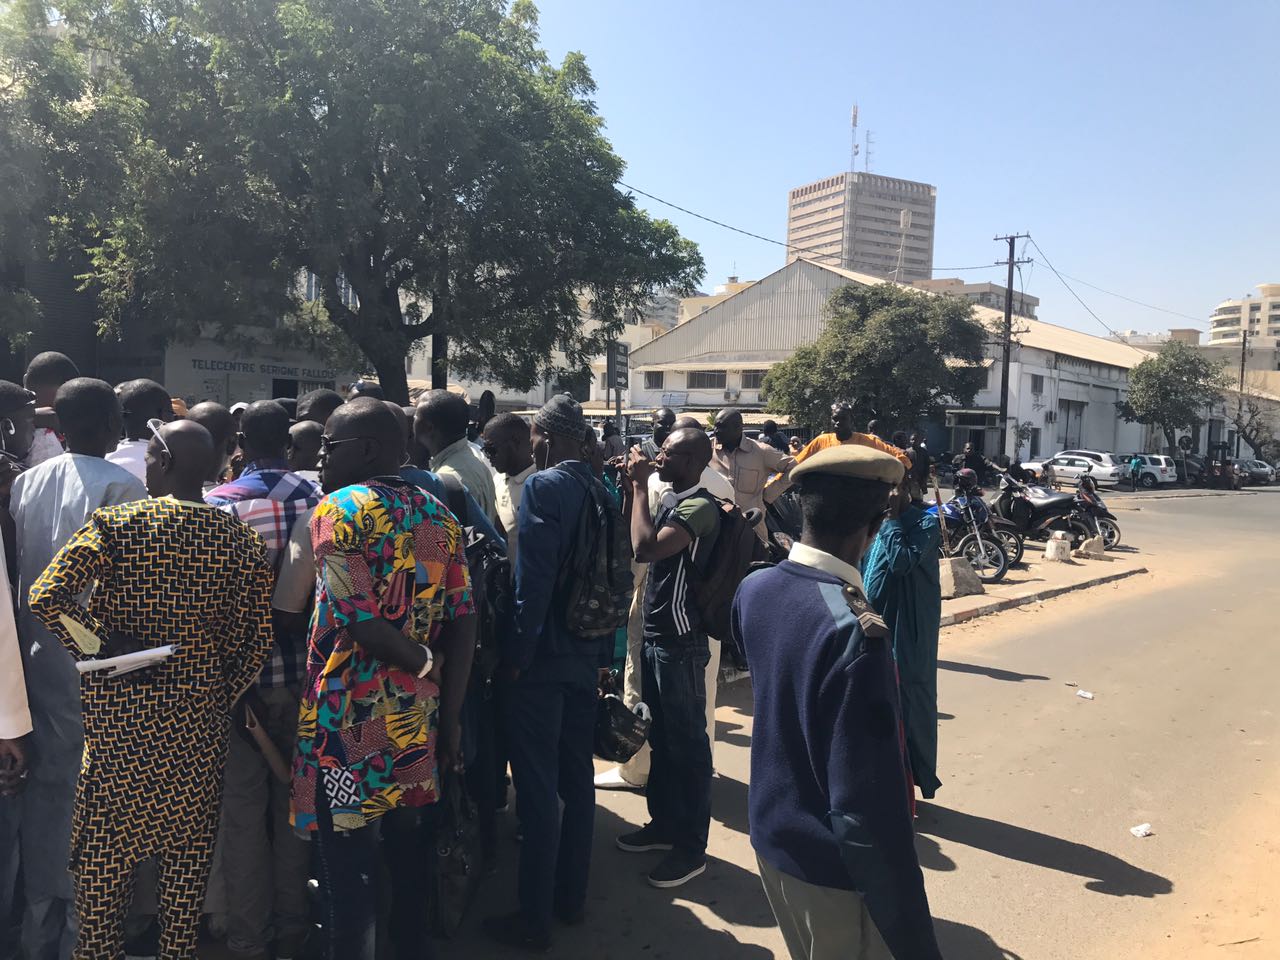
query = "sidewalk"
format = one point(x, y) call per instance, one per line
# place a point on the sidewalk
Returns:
point(1037, 579)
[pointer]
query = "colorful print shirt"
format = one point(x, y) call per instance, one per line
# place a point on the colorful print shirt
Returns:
point(382, 549)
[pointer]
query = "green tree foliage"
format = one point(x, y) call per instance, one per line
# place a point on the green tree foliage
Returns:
point(424, 150)
point(1172, 390)
point(897, 355)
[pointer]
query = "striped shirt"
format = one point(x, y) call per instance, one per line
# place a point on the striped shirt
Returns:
point(669, 609)
point(270, 499)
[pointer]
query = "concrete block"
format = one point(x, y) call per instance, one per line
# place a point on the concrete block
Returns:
point(1092, 549)
point(959, 579)
point(1058, 548)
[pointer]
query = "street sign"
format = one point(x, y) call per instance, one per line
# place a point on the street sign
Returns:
point(617, 365)
point(1184, 442)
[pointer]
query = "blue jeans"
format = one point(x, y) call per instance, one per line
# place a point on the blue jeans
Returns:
point(674, 686)
point(550, 732)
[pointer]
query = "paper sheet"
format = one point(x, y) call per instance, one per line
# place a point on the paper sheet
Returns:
point(127, 662)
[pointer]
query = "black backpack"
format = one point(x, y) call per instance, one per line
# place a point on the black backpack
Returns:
point(718, 576)
point(491, 588)
point(595, 583)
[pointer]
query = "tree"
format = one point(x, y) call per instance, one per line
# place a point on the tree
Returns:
point(896, 355)
point(1172, 390)
point(424, 151)
point(1256, 415)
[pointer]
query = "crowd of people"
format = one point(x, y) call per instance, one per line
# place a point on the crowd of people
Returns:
point(250, 657)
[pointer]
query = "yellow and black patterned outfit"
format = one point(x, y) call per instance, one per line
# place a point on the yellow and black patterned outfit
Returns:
point(166, 572)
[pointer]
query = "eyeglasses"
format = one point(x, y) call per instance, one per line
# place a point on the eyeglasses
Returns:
point(328, 443)
point(154, 426)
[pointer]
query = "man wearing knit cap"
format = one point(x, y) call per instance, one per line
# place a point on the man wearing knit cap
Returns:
point(829, 807)
point(551, 703)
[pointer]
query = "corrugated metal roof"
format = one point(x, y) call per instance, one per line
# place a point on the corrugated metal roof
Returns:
point(766, 322)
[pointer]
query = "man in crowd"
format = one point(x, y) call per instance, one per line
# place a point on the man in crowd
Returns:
point(266, 898)
point(901, 574)
point(615, 445)
point(842, 432)
point(304, 448)
point(165, 571)
point(367, 388)
point(45, 374)
point(748, 465)
point(829, 814)
point(222, 426)
point(506, 444)
point(634, 774)
point(17, 433)
point(440, 425)
point(51, 502)
point(551, 706)
point(676, 654)
point(378, 712)
point(664, 419)
point(143, 401)
point(770, 435)
point(318, 405)
point(921, 465)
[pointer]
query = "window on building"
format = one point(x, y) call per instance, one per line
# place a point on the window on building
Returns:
point(753, 379)
point(1034, 442)
point(653, 379)
point(706, 379)
point(1037, 383)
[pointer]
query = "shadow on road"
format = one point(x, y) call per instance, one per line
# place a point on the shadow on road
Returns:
point(946, 716)
point(1110, 874)
point(727, 733)
point(995, 673)
point(969, 943)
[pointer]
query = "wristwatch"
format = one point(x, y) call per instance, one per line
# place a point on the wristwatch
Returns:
point(426, 667)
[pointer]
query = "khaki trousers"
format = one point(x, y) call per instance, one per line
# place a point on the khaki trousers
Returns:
point(636, 770)
point(821, 923)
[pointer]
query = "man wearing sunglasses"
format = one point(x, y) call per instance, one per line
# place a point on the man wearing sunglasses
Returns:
point(169, 570)
point(379, 708)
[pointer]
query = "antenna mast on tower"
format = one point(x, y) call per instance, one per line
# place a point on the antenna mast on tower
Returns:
point(853, 151)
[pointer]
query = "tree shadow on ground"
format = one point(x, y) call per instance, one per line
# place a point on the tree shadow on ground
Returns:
point(727, 733)
point(729, 804)
point(1109, 874)
point(995, 673)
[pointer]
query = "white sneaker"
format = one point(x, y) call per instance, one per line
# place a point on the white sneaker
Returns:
point(613, 779)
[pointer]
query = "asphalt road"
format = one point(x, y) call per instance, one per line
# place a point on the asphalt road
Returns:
point(1027, 850)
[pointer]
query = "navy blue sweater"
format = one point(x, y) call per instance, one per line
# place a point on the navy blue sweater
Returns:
point(828, 800)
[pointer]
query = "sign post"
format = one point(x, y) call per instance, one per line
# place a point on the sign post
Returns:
point(617, 375)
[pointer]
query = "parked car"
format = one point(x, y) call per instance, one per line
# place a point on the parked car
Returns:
point(1190, 467)
point(1156, 469)
point(1070, 466)
point(1255, 471)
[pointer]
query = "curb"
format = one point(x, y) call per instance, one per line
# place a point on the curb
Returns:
point(1191, 496)
point(951, 619)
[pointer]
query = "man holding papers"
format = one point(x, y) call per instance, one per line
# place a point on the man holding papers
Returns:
point(168, 571)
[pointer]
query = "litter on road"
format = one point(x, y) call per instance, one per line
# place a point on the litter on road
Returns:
point(1141, 830)
point(1084, 694)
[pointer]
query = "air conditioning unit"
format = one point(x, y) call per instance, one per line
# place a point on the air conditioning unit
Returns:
point(731, 394)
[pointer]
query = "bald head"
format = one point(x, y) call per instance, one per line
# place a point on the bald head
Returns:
point(304, 445)
point(729, 428)
point(664, 419)
point(441, 420)
point(685, 455)
point(265, 427)
point(179, 459)
point(89, 414)
point(687, 422)
point(318, 405)
point(143, 400)
point(365, 441)
point(221, 425)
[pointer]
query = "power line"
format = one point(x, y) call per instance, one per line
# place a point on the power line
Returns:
point(1121, 296)
point(1048, 263)
point(756, 236)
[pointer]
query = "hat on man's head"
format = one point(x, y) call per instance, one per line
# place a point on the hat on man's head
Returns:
point(13, 398)
point(852, 460)
point(239, 407)
point(562, 415)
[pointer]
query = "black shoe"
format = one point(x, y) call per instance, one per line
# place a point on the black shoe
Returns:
point(676, 869)
point(514, 931)
point(146, 945)
point(643, 840)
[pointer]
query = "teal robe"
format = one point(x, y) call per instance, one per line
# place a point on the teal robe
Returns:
point(901, 578)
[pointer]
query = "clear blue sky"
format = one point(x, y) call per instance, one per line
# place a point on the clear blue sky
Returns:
point(1136, 141)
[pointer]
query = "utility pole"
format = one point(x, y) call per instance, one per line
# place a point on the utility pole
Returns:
point(1244, 350)
point(1007, 345)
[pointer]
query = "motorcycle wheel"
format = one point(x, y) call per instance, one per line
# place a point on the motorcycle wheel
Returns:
point(986, 556)
point(1012, 543)
point(1110, 533)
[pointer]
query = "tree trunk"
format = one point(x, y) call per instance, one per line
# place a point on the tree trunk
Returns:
point(439, 361)
point(392, 377)
point(1171, 439)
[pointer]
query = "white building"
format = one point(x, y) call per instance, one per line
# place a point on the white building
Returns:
point(1260, 313)
point(1064, 383)
point(991, 295)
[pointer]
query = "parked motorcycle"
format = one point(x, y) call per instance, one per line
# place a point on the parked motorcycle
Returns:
point(1037, 513)
point(967, 520)
point(1094, 513)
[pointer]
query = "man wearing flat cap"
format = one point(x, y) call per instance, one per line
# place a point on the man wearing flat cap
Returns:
point(829, 805)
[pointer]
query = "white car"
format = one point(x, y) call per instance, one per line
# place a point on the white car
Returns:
point(1072, 465)
point(1156, 469)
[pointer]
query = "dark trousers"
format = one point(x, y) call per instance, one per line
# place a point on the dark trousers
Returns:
point(550, 728)
point(679, 791)
point(347, 868)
